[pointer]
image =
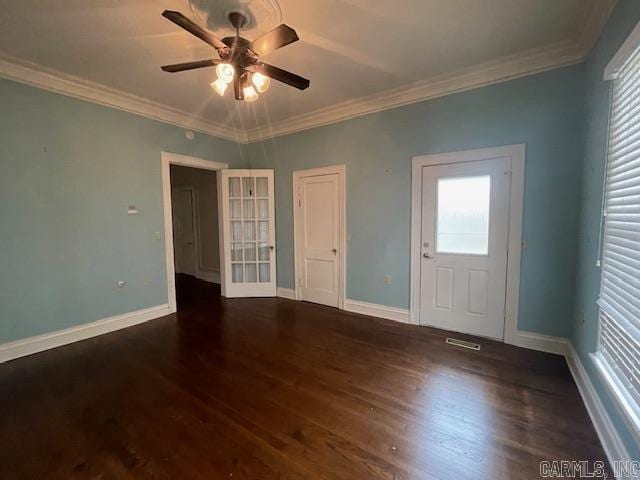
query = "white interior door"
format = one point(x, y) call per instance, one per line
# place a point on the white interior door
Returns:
point(247, 233)
point(319, 238)
point(465, 217)
point(184, 231)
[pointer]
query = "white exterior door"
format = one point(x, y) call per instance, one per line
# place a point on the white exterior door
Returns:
point(247, 233)
point(465, 219)
point(184, 230)
point(318, 238)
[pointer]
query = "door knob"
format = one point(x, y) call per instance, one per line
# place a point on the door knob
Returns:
point(334, 250)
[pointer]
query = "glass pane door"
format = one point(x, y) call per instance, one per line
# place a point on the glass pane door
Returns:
point(248, 215)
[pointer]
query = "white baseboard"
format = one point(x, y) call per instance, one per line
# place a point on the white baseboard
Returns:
point(542, 343)
point(289, 293)
point(211, 276)
point(39, 343)
point(375, 310)
point(611, 441)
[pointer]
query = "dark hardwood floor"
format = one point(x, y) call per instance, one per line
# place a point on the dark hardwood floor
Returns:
point(276, 389)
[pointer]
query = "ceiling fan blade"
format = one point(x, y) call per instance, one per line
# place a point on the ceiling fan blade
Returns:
point(283, 76)
point(194, 29)
point(278, 37)
point(181, 67)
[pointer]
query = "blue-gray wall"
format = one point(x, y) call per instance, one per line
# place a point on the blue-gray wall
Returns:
point(68, 171)
point(544, 111)
point(623, 20)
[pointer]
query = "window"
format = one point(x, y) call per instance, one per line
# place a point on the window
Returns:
point(618, 355)
point(463, 215)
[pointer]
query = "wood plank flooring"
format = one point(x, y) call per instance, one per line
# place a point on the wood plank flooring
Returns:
point(276, 389)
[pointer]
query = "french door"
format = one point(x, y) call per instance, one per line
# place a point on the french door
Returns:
point(465, 220)
point(247, 233)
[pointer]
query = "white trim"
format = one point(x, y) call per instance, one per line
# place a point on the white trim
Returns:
point(627, 49)
point(612, 443)
point(39, 343)
point(375, 310)
point(517, 155)
point(58, 82)
point(167, 159)
point(298, 175)
point(539, 342)
point(289, 293)
point(618, 392)
point(517, 65)
point(507, 68)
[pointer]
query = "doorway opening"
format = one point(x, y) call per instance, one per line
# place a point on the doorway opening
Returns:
point(193, 246)
point(196, 245)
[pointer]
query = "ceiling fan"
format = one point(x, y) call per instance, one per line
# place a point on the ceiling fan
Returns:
point(239, 61)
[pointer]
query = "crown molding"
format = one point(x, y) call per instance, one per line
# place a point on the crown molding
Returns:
point(500, 70)
point(596, 20)
point(503, 69)
point(72, 86)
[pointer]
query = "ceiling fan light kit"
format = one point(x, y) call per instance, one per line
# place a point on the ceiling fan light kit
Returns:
point(239, 63)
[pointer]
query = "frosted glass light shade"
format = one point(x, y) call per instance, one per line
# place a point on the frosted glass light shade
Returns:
point(250, 94)
point(219, 86)
point(225, 72)
point(260, 82)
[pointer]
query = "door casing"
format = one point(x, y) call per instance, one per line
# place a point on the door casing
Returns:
point(167, 159)
point(298, 175)
point(516, 201)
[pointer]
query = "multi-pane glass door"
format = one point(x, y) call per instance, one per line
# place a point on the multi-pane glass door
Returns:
point(248, 224)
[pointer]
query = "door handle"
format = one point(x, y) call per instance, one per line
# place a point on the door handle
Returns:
point(426, 255)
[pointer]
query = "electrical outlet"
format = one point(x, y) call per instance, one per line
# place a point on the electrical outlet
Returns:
point(387, 279)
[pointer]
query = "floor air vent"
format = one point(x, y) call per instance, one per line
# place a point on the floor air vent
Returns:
point(463, 344)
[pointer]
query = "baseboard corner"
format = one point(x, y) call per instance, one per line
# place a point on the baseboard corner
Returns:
point(540, 342)
point(288, 293)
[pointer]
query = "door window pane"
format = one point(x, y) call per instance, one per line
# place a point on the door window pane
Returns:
point(250, 252)
point(249, 209)
point(250, 231)
point(250, 273)
point(263, 231)
point(236, 273)
point(236, 230)
point(263, 252)
point(234, 207)
point(262, 189)
point(236, 252)
point(265, 272)
point(463, 215)
point(234, 186)
point(248, 188)
point(263, 209)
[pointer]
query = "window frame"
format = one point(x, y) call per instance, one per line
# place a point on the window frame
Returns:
point(624, 400)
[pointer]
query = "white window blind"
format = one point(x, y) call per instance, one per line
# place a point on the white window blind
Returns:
point(619, 337)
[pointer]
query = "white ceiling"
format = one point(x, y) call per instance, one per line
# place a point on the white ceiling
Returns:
point(349, 49)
